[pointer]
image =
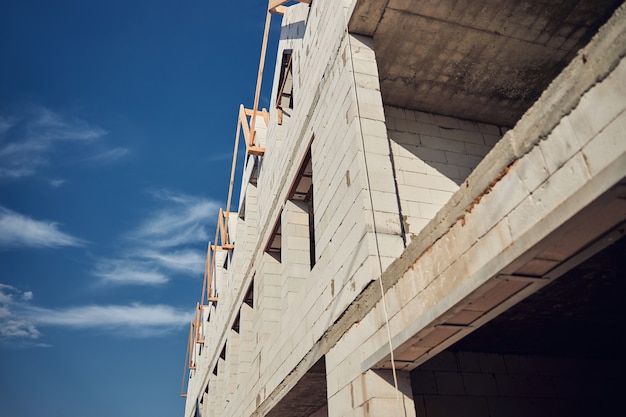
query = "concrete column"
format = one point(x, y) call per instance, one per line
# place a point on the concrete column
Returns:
point(232, 367)
point(373, 394)
point(204, 406)
point(247, 341)
point(381, 201)
point(220, 386)
point(268, 308)
point(295, 251)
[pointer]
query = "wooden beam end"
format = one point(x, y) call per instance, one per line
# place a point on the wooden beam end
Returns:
point(256, 150)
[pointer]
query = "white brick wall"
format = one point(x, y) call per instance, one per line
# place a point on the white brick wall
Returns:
point(357, 219)
point(433, 155)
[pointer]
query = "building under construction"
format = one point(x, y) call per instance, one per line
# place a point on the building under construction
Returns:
point(430, 217)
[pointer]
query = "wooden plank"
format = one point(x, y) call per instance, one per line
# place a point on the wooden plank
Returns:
point(256, 150)
point(464, 317)
point(206, 272)
point(496, 295)
point(281, 10)
point(233, 168)
point(243, 121)
point(222, 228)
point(274, 5)
point(259, 80)
point(279, 113)
point(211, 261)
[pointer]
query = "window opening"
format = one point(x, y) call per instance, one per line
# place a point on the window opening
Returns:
point(249, 298)
point(236, 324)
point(302, 190)
point(284, 97)
point(274, 244)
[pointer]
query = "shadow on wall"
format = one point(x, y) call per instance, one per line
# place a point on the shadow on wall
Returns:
point(434, 145)
point(433, 155)
point(293, 30)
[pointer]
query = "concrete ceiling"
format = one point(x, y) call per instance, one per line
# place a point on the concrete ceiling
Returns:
point(483, 60)
point(307, 396)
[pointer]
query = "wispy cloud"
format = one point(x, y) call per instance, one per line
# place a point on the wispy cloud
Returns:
point(13, 326)
point(56, 183)
point(27, 140)
point(168, 242)
point(110, 155)
point(183, 220)
point(5, 124)
point(132, 316)
point(224, 156)
point(125, 271)
point(17, 230)
point(186, 261)
point(20, 320)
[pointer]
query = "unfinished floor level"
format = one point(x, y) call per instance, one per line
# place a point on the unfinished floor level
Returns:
point(431, 217)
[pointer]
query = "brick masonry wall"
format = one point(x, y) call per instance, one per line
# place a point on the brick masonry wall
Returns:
point(433, 155)
point(472, 384)
point(552, 179)
point(288, 319)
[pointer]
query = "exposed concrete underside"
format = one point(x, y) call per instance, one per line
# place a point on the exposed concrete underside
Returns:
point(565, 317)
point(483, 60)
point(308, 396)
point(578, 314)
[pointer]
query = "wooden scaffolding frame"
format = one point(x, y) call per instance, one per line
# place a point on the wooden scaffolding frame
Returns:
point(246, 124)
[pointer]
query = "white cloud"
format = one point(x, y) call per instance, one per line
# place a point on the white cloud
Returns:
point(225, 156)
point(56, 183)
point(124, 271)
point(190, 261)
point(12, 326)
point(111, 155)
point(17, 230)
point(28, 139)
point(46, 125)
point(5, 124)
point(20, 320)
point(183, 221)
point(136, 317)
point(18, 329)
point(165, 243)
point(5, 294)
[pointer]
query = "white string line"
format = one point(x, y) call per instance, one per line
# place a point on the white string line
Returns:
point(380, 265)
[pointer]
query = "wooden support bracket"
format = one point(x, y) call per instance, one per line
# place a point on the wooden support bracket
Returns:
point(277, 6)
point(256, 150)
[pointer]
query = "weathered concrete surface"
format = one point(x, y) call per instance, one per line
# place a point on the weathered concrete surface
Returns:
point(484, 60)
point(528, 198)
point(565, 315)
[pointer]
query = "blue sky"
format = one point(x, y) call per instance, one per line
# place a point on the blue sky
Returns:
point(117, 120)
